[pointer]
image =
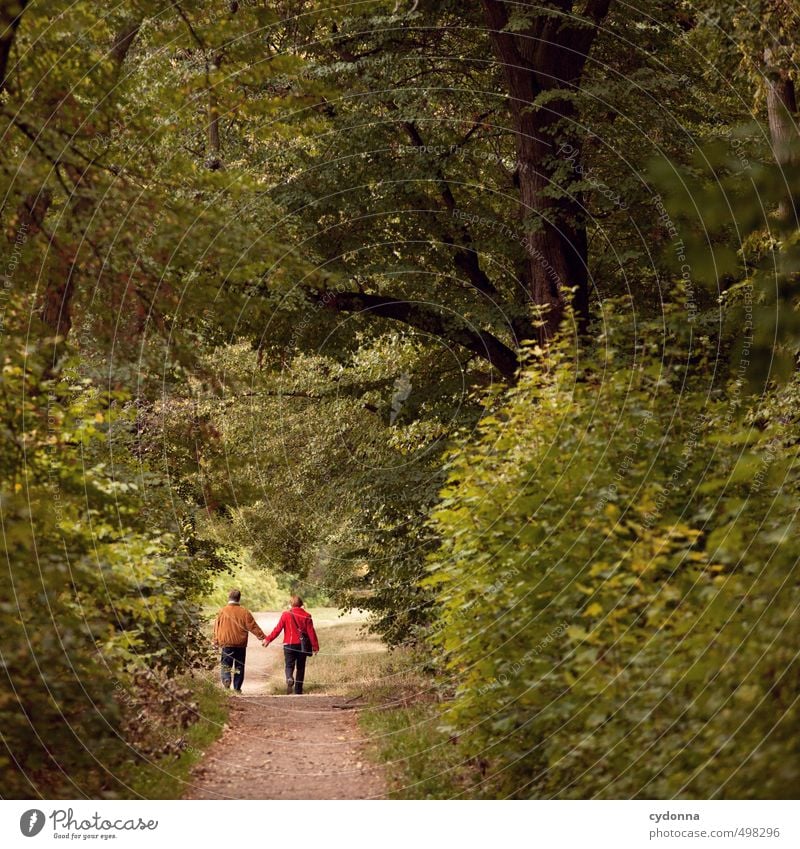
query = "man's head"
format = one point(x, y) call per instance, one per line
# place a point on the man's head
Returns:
point(235, 596)
point(296, 601)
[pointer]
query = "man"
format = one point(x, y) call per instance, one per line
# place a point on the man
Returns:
point(299, 641)
point(230, 633)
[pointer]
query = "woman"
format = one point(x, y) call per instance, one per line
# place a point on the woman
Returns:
point(299, 641)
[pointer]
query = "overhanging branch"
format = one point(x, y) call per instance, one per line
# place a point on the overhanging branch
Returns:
point(428, 319)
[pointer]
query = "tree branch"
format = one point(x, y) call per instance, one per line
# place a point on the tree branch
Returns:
point(465, 257)
point(428, 319)
point(123, 41)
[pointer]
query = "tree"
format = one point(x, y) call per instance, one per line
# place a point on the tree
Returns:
point(543, 50)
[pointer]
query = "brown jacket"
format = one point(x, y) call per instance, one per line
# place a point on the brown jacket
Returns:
point(232, 624)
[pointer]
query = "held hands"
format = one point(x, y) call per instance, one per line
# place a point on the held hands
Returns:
point(265, 643)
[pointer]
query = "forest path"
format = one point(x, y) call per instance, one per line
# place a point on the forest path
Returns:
point(292, 747)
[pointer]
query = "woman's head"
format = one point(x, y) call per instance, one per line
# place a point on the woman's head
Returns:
point(296, 601)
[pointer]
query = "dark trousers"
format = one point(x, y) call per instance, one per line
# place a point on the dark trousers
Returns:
point(295, 657)
point(232, 656)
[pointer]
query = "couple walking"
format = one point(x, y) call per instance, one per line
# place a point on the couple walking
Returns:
point(232, 626)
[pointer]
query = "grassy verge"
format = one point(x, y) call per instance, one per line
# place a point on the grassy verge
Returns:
point(402, 721)
point(165, 778)
point(420, 760)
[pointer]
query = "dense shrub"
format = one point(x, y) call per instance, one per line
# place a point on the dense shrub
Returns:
point(618, 578)
point(98, 598)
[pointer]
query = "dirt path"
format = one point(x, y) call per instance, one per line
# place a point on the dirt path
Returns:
point(286, 747)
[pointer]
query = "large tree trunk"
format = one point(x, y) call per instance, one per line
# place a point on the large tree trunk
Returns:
point(556, 242)
point(547, 57)
point(783, 127)
point(10, 15)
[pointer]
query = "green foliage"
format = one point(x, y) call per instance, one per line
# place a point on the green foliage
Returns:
point(617, 578)
point(320, 475)
point(737, 246)
point(94, 596)
point(190, 191)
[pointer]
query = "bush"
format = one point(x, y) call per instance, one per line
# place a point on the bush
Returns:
point(617, 579)
point(97, 600)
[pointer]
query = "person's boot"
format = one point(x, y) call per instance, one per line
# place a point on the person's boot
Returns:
point(289, 686)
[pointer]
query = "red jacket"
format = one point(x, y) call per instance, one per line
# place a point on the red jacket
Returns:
point(291, 635)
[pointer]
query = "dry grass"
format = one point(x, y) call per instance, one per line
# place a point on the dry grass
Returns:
point(352, 662)
point(350, 658)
